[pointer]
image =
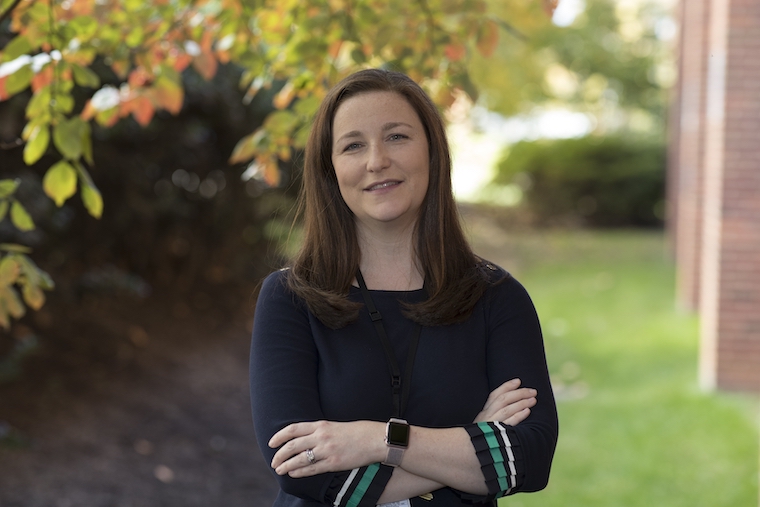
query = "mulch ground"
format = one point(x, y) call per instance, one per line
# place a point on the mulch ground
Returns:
point(131, 403)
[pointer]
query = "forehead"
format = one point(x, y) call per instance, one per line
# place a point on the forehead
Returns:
point(373, 109)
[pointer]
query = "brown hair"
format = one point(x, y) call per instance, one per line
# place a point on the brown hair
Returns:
point(322, 271)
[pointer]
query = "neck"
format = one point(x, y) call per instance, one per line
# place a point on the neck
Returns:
point(388, 261)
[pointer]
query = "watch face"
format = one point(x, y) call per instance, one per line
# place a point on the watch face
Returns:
point(398, 434)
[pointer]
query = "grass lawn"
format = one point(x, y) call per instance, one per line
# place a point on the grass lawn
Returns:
point(635, 430)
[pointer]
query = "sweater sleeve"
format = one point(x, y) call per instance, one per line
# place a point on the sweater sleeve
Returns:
point(284, 389)
point(515, 458)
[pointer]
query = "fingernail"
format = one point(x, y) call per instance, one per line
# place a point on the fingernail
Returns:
point(514, 381)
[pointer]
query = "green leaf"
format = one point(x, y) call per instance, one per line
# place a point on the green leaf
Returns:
point(33, 296)
point(281, 122)
point(136, 36)
point(60, 182)
point(7, 187)
point(85, 77)
point(45, 282)
point(63, 103)
point(37, 144)
point(12, 247)
point(67, 137)
point(247, 147)
point(358, 56)
point(92, 200)
point(12, 303)
point(17, 47)
point(9, 270)
point(19, 80)
point(39, 103)
point(84, 26)
point(91, 197)
point(301, 136)
point(21, 218)
point(5, 322)
point(4, 205)
point(307, 106)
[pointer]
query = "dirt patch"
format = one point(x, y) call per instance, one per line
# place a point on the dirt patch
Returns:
point(132, 403)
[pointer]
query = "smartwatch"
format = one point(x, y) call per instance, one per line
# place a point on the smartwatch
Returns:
point(397, 440)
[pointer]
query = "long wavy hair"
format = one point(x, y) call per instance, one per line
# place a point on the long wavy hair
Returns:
point(322, 271)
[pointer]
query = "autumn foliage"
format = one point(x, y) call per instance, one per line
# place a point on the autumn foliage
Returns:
point(59, 49)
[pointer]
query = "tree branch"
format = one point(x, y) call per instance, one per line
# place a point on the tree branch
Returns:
point(8, 11)
point(511, 29)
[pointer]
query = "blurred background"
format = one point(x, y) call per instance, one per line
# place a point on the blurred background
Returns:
point(149, 163)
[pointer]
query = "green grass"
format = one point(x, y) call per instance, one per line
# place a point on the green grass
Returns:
point(635, 430)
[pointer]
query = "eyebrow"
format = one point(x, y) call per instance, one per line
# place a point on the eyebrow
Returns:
point(386, 127)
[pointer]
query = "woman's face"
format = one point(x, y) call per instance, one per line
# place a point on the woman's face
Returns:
point(381, 159)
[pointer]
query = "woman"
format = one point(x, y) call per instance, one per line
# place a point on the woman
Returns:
point(386, 360)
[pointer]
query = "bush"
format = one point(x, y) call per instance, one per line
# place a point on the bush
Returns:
point(597, 181)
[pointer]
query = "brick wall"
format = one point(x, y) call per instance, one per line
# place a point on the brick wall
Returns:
point(718, 178)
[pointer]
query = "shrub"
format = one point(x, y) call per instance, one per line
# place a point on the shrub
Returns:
point(597, 181)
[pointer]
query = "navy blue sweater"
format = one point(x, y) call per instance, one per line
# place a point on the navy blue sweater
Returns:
point(302, 370)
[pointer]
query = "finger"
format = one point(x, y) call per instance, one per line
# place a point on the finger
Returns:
point(507, 386)
point(518, 417)
point(298, 465)
point(508, 399)
point(290, 432)
point(291, 449)
point(513, 408)
point(515, 396)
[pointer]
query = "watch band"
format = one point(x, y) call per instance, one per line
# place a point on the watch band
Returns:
point(395, 455)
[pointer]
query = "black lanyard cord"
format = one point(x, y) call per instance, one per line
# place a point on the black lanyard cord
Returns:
point(400, 388)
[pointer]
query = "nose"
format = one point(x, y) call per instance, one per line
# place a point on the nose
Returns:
point(377, 157)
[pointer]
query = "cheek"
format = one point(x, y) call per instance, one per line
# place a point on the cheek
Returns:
point(345, 183)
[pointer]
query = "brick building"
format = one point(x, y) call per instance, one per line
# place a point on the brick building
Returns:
point(715, 186)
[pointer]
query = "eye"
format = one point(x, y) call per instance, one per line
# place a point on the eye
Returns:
point(397, 137)
point(352, 146)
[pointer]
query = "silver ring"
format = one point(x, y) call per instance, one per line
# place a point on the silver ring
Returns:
point(310, 456)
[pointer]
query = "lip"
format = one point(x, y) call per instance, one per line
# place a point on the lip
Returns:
point(382, 185)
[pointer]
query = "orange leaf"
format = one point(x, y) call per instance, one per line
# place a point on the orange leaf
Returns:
point(455, 52)
point(205, 64)
point(3, 94)
point(445, 96)
point(43, 78)
point(550, 6)
point(206, 41)
point(223, 56)
point(488, 38)
point(182, 61)
point(271, 173)
point(88, 112)
point(142, 110)
point(138, 77)
point(334, 48)
point(284, 97)
point(120, 67)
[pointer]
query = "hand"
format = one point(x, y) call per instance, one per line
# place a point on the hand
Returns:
point(337, 446)
point(508, 404)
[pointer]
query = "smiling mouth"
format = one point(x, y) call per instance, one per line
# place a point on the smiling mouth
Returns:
point(384, 184)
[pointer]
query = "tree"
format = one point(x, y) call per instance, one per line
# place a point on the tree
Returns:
point(613, 61)
point(59, 49)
